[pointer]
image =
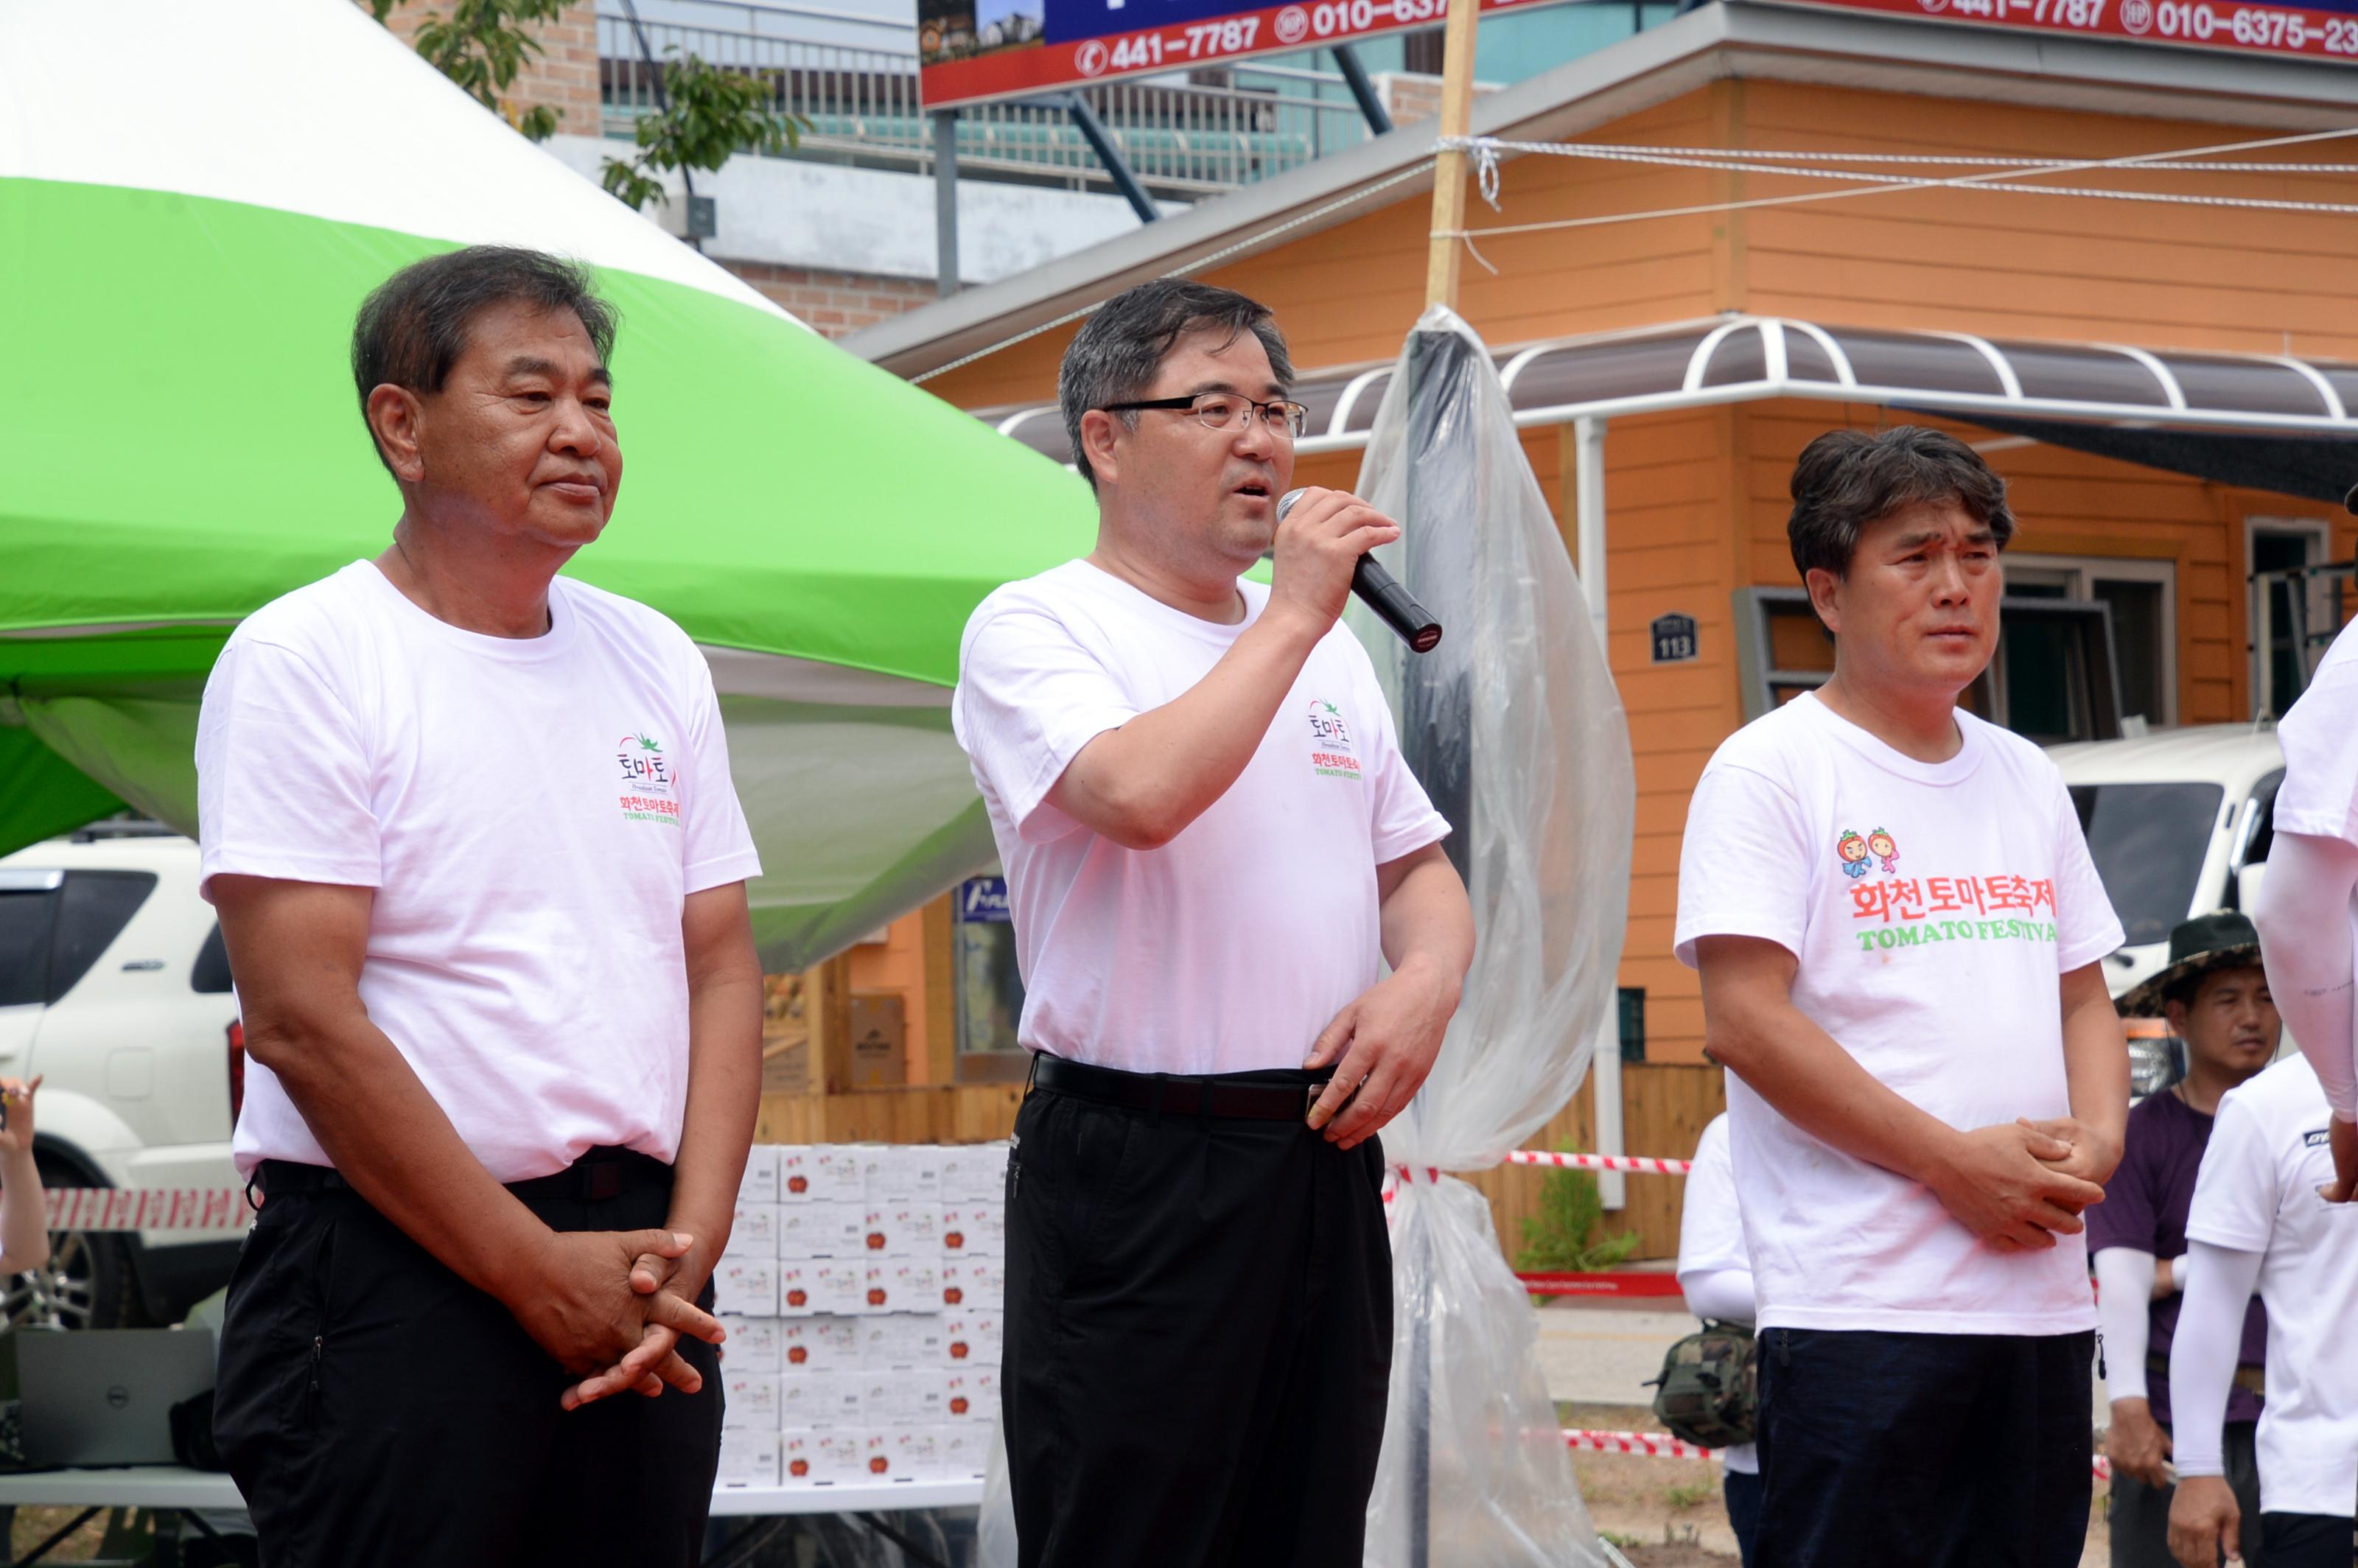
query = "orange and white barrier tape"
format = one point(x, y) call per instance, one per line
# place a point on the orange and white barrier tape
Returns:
point(1662, 1446)
point(1653, 1444)
point(146, 1208)
point(1641, 1164)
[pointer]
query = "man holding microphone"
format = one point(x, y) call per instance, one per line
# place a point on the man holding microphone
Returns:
point(1213, 848)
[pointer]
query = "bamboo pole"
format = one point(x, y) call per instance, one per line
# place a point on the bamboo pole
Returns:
point(1449, 170)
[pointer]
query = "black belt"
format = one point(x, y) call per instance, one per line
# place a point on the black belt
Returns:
point(1174, 1094)
point(601, 1173)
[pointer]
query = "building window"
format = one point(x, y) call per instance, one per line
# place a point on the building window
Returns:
point(988, 986)
point(2142, 598)
point(2053, 678)
point(2294, 615)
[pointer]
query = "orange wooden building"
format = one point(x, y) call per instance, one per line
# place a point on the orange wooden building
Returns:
point(1690, 355)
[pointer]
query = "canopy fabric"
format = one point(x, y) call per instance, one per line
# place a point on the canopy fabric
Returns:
point(2318, 468)
point(189, 214)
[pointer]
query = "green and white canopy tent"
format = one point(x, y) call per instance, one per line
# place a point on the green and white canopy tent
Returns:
point(194, 200)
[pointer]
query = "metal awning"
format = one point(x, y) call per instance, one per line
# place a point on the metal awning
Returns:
point(1742, 359)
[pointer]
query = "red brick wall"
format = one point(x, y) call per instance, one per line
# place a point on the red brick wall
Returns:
point(835, 303)
point(564, 75)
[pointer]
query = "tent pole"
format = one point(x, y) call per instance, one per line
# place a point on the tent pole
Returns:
point(1449, 168)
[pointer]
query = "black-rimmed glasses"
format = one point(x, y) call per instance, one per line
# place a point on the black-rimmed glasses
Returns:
point(1222, 410)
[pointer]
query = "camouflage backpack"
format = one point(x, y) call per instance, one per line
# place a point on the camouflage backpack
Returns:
point(1709, 1392)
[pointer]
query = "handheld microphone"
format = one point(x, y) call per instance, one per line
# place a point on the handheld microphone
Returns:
point(1381, 592)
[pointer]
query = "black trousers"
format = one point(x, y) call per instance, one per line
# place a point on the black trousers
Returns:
point(1198, 1337)
point(1742, 1491)
point(2140, 1514)
point(378, 1410)
point(1932, 1450)
point(2307, 1540)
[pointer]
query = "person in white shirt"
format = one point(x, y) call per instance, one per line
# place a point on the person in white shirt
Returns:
point(1716, 1276)
point(1213, 848)
point(2258, 1224)
point(2308, 911)
point(470, 833)
point(2216, 1001)
point(1928, 1082)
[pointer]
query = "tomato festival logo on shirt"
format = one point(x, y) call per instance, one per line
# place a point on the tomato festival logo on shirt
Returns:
point(1331, 752)
point(1916, 911)
point(647, 780)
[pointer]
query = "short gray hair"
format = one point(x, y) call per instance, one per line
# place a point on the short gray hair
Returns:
point(1847, 478)
point(1116, 354)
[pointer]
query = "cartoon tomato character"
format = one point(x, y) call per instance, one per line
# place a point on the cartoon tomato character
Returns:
point(798, 1354)
point(1885, 848)
point(797, 1184)
point(878, 1465)
point(876, 1296)
point(952, 1295)
point(1853, 853)
point(958, 1404)
point(799, 1466)
point(797, 1298)
point(958, 1349)
point(953, 1239)
point(876, 1241)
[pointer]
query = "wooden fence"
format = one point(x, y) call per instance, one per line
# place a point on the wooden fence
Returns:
point(1664, 1109)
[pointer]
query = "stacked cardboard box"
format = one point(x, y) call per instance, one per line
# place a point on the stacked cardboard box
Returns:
point(861, 1293)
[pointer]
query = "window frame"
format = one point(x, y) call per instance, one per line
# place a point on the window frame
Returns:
point(2318, 536)
point(2086, 571)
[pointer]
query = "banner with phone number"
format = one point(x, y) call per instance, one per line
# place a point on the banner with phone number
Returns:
point(2327, 33)
point(969, 51)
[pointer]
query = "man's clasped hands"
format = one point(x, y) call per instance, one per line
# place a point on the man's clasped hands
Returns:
point(2016, 1184)
point(610, 1306)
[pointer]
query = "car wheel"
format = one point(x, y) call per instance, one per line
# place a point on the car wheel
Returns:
point(86, 1284)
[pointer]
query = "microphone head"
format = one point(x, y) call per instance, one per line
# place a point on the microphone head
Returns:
point(1285, 503)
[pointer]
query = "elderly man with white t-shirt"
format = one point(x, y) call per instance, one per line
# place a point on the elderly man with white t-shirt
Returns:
point(470, 828)
point(1900, 932)
point(1213, 847)
point(2258, 1227)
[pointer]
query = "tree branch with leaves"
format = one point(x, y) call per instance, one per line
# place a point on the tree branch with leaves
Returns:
point(709, 115)
point(483, 46)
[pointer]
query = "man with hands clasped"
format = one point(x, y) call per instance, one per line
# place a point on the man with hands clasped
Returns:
point(1926, 1080)
point(1213, 848)
point(471, 832)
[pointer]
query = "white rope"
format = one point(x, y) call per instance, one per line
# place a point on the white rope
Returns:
point(1415, 170)
point(1587, 149)
point(1882, 186)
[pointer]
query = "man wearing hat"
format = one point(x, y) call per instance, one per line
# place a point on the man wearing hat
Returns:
point(2216, 998)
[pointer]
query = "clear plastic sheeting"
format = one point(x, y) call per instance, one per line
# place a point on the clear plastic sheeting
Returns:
point(1516, 728)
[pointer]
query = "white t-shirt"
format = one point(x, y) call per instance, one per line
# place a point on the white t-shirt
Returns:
point(1933, 908)
point(2319, 796)
point(1710, 1241)
point(531, 813)
point(1230, 947)
point(2257, 1193)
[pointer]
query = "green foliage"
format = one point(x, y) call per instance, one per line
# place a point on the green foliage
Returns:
point(1562, 1238)
point(1693, 1495)
point(710, 115)
point(481, 46)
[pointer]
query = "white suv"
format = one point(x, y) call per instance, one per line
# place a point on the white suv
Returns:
point(2179, 823)
point(114, 988)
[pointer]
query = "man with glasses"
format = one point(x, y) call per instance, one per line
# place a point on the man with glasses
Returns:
point(1213, 848)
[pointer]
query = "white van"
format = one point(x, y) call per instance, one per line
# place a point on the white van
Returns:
point(2179, 823)
point(115, 989)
